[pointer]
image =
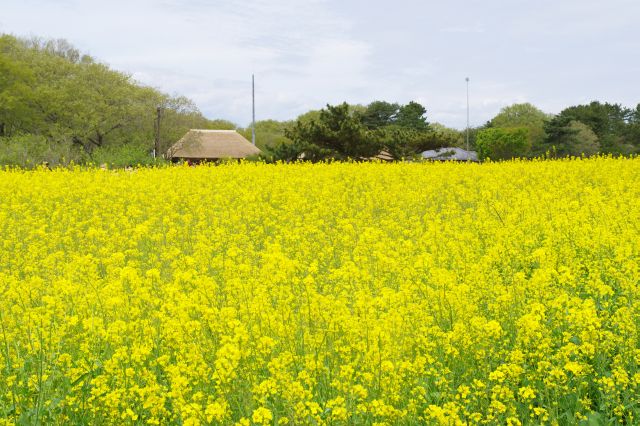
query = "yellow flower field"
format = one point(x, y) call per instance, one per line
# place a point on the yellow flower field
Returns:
point(330, 294)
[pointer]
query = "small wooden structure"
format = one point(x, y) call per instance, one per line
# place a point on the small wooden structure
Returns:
point(382, 156)
point(211, 145)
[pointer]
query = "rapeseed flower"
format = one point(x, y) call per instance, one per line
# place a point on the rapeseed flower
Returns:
point(329, 294)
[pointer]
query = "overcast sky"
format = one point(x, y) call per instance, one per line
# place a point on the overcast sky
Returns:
point(305, 54)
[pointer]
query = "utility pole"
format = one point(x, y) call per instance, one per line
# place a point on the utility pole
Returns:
point(253, 109)
point(156, 149)
point(467, 79)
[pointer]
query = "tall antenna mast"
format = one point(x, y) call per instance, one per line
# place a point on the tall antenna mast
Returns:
point(253, 106)
point(467, 79)
point(156, 147)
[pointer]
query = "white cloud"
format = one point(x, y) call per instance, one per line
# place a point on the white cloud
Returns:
point(477, 28)
point(306, 54)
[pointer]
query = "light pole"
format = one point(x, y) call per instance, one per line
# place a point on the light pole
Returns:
point(156, 148)
point(467, 80)
point(253, 110)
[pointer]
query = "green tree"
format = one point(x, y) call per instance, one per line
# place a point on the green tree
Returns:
point(633, 130)
point(449, 136)
point(524, 115)
point(309, 116)
point(573, 138)
point(269, 133)
point(337, 133)
point(13, 93)
point(219, 124)
point(502, 143)
point(582, 140)
point(611, 123)
point(412, 116)
point(379, 114)
point(399, 142)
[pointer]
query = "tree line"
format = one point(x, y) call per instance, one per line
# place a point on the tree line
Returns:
point(522, 130)
point(403, 132)
point(60, 106)
point(358, 132)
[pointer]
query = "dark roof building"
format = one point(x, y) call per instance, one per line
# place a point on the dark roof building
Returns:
point(450, 154)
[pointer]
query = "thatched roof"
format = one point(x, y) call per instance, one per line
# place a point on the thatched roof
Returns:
point(211, 145)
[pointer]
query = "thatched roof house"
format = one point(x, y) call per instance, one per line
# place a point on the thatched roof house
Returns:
point(210, 145)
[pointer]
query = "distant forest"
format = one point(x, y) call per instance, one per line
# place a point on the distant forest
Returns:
point(59, 106)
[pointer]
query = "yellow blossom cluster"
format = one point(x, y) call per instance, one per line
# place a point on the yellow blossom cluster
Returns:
point(326, 294)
